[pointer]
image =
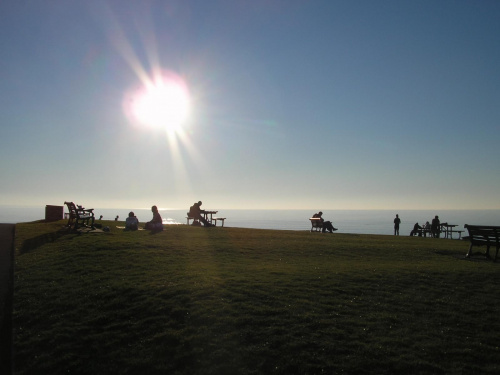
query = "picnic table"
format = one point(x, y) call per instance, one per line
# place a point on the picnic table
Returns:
point(448, 230)
point(209, 217)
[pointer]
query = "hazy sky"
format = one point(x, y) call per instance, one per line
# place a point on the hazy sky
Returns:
point(319, 104)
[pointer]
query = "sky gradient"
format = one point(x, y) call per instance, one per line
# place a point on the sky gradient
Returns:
point(318, 104)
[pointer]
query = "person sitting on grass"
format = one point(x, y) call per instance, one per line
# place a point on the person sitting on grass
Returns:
point(327, 225)
point(156, 224)
point(196, 212)
point(131, 222)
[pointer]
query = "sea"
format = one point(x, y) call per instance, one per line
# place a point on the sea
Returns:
point(347, 221)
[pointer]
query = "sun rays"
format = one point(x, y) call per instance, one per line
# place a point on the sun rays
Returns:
point(163, 103)
point(160, 102)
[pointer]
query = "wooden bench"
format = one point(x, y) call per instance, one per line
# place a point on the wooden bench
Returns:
point(189, 218)
point(483, 235)
point(456, 231)
point(215, 219)
point(79, 215)
point(316, 224)
point(197, 222)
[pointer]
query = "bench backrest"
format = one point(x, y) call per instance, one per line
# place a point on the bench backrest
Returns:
point(77, 212)
point(483, 233)
point(73, 212)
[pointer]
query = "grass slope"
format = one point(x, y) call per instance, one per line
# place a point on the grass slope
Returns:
point(247, 301)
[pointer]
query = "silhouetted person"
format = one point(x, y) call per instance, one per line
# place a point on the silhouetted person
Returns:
point(427, 229)
point(131, 222)
point(100, 217)
point(156, 223)
point(196, 212)
point(326, 225)
point(397, 221)
point(435, 227)
point(116, 218)
point(416, 229)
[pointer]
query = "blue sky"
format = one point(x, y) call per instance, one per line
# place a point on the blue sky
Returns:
point(294, 104)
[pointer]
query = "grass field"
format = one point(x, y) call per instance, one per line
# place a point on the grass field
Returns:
point(192, 300)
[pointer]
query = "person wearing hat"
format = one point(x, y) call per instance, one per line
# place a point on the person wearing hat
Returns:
point(327, 225)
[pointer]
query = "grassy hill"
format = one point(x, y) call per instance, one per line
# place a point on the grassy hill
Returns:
point(192, 300)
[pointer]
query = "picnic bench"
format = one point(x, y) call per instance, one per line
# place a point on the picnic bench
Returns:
point(316, 224)
point(196, 222)
point(213, 220)
point(483, 235)
point(79, 216)
point(449, 229)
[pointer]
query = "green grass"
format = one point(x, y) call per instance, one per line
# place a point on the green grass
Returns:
point(245, 301)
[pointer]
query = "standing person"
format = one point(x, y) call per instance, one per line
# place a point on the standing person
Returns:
point(435, 227)
point(196, 212)
point(397, 221)
point(131, 222)
point(327, 225)
point(156, 223)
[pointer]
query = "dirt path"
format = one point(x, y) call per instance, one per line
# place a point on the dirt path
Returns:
point(6, 295)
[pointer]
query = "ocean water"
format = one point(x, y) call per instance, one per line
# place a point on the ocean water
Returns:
point(347, 221)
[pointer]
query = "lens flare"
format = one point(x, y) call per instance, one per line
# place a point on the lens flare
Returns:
point(162, 103)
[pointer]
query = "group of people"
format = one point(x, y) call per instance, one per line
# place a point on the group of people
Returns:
point(156, 224)
point(433, 228)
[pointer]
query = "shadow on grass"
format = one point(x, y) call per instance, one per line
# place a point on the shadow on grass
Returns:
point(474, 257)
point(35, 242)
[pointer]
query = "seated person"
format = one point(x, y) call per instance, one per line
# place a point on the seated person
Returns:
point(156, 223)
point(327, 225)
point(417, 229)
point(196, 212)
point(131, 222)
point(426, 228)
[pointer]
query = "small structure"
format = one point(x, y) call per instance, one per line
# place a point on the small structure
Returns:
point(54, 213)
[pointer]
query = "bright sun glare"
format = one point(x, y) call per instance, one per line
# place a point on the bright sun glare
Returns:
point(163, 103)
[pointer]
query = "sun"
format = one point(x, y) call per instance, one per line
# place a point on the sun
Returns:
point(164, 103)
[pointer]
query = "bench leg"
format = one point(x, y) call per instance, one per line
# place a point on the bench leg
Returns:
point(469, 252)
